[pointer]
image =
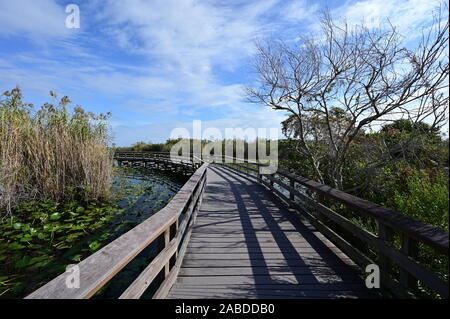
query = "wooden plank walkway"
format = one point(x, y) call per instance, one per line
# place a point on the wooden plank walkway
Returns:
point(246, 244)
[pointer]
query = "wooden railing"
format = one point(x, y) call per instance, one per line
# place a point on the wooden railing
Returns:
point(396, 244)
point(158, 156)
point(172, 225)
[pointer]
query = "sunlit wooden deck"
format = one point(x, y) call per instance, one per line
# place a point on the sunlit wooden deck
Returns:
point(246, 244)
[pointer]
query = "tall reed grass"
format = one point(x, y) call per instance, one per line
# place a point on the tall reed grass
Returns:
point(51, 153)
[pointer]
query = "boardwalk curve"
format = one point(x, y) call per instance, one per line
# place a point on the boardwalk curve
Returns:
point(246, 244)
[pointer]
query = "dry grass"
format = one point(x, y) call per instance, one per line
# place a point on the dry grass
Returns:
point(50, 153)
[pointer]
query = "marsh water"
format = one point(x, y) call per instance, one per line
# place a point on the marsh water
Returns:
point(76, 230)
point(140, 193)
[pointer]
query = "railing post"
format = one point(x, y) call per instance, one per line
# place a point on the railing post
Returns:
point(409, 247)
point(176, 232)
point(166, 243)
point(386, 234)
point(292, 185)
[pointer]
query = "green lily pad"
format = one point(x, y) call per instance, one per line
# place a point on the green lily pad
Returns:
point(93, 246)
point(24, 262)
point(16, 246)
point(55, 216)
point(80, 209)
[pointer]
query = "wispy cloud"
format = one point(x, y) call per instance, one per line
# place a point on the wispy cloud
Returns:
point(188, 40)
point(36, 20)
point(408, 16)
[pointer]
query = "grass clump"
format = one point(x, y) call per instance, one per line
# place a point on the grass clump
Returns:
point(50, 153)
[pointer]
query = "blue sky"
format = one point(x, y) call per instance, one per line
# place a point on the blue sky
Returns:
point(158, 65)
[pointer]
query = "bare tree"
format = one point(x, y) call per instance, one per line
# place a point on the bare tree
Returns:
point(367, 73)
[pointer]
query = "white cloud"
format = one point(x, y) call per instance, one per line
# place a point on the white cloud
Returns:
point(37, 20)
point(188, 40)
point(301, 10)
point(408, 15)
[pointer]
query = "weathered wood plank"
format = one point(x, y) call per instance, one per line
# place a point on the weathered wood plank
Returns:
point(283, 287)
point(250, 240)
point(253, 222)
point(305, 261)
point(235, 248)
point(265, 256)
point(251, 251)
point(265, 280)
point(275, 227)
point(251, 244)
point(257, 235)
point(269, 270)
point(273, 292)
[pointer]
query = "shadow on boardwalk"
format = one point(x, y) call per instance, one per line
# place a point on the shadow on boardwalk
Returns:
point(246, 244)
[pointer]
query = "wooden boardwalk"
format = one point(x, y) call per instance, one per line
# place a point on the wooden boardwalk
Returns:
point(246, 244)
point(225, 235)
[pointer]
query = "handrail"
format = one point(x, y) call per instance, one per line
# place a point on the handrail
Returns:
point(136, 154)
point(426, 233)
point(96, 270)
point(157, 157)
point(411, 232)
point(244, 160)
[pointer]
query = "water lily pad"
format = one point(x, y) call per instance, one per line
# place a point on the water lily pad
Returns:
point(16, 246)
point(93, 246)
point(24, 262)
point(80, 209)
point(55, 216)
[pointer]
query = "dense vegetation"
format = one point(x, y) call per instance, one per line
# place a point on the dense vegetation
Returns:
point(411, 177)
point(51, 153)
point(42, 238)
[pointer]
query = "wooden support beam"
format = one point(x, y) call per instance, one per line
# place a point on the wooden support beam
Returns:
point(166, 243)
point(386, 234)
point(292, 185)
point(410, 248)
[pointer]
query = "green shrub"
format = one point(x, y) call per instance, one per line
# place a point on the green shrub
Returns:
point(424, 197)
